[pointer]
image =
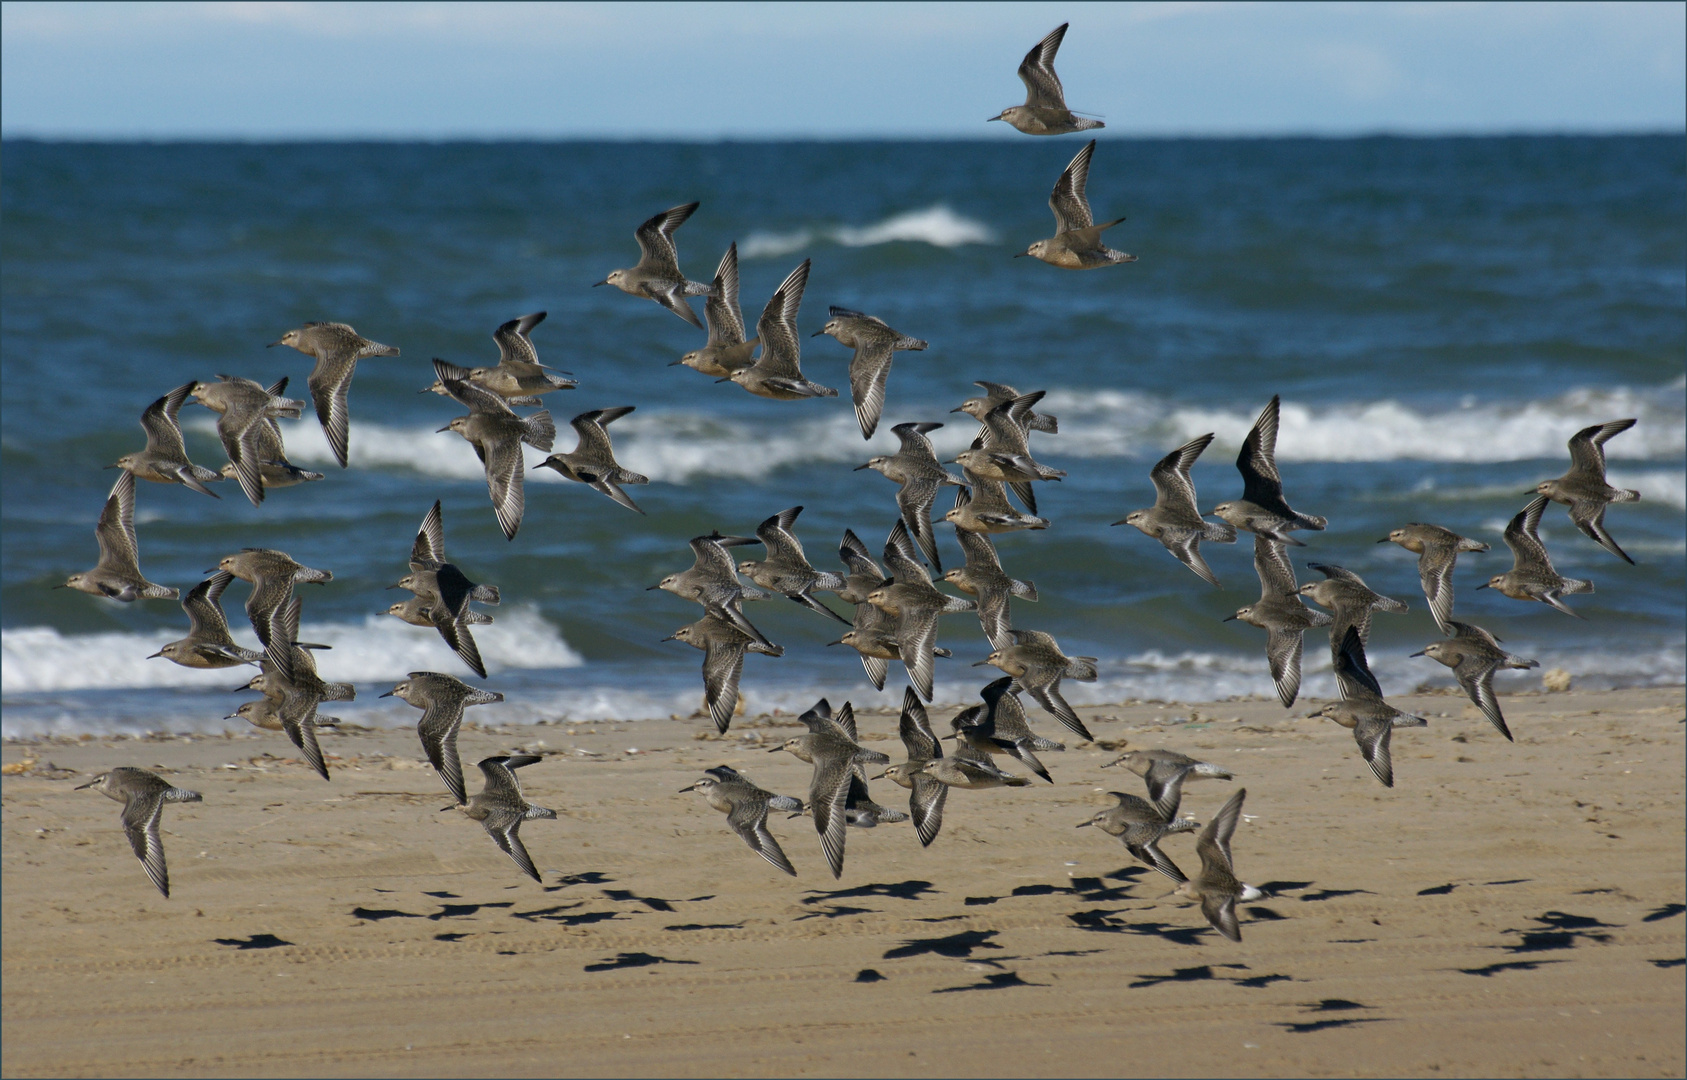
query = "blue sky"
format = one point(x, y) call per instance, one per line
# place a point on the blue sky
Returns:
point(422, 70)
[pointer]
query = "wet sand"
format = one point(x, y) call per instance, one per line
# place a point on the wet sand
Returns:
point(1505, 910)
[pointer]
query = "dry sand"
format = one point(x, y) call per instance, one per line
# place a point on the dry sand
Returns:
point(1506, 910)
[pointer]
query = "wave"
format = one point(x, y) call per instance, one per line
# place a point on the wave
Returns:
point(39, 659)
point(937, 225)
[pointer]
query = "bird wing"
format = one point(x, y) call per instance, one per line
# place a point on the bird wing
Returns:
point(723, 664)
point(1165, 787)
point(1373, 739)
point(1173, 488)
point(748, 818)
point(1276, 573)
point(1221, 913)
point(1257, 462)
point(115, 532)
point(438, 732)
point(914, 500)
point(915, 727)
point(163, 433)
point(504, 482)
point(204, 608)
point(1071, 207)
point(1435, 569)
point(1353, 673)
point(1036, 71)
point(141, 813)
point(726, 320)
point(1476, 676)
point(855, 556)
point(591, 427)
point(1522, 536)
point(429, 545)
point(504, 828)
point(1589, 517)
point(827, 795)
point(456, 634)
point(329, 384)
point(781, 349)
point(781, 543)
point(916, 634)
point(914, 441)
point(1587, 448)
point(925, 805)
point(900, 560)
point(656, 240)
point(514, 346)
point(1282, 652)
point(1186, 545)
point(868, 373)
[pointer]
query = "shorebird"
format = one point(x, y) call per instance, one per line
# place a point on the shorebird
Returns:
point(1584, 488)
point(1000, 728)
point(726, 350)
point(272, 575)
point(971, 771)
point(786, 568)
point(287, 678)
point(496, 433)
point(1164, 771)
point(1531, 576)
point(830, 745)
point(1216, 886)
point(1002, 450)
point(266, 712)
point(1037, 666)
point(873, 635)
point(712, 581)
point(518, 377)
point(592, 462)
point(246, 424)
point(336, 348)
point(1076, 243)
point(777, 374)
point(982, 507)
point(927, 793)
point(657, 276)
point(443, 592)
point(1262, 509)
point(501, 808)
point(983, 577)
point(1350, 601)
point(875, 343)
point(1282, 614)
point(1044, 111)
point(915, 604)
point(864, 574)
point(996, 394)
point(745, 806)
point(1437, 550)
point(1174, 520)
point(118, 573)
point(724, 646)
point(1140, 828)
point(143, 795)
point(1362, 709)
point(165, 461)
point(207, 644)
point(918, 474)
point(442, 700)
point(1474, 655)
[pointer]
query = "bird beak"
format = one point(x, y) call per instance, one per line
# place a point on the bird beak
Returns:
point(1228, 618)
point(829, 644)
point(651, 588)
point(595, 284)
point(858, 468)
point(1122, 521)
point(213, 570)
point(156, 655)
point(958, 408)
point(1420, 652)
point(1384, 540)
point(1312, 716)
point(683, 790)
point(677, 363)
point(1484, 585)
point(84, 787)
point(671, 637)
point(389, 693)
point(390, 588)
point(719, 381)
point(447, 427)
point(1531, 492)
point(231, 716)
point(238, 689)
point(982, 663)
point(1081, 824)
point(1295, 593)
point(817, 333)
point(443, 809)
point(272, 344)
point(776, 749)
point(1022, 254)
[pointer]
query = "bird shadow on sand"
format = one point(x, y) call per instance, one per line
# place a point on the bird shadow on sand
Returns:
point(1560, 930)
point(463, 911)
point(998, 980)
point(955, 946)
point(899, 890)
point(256, 941)
point(1212, 972)
point(634, 960)
point(654, 903)
point(1107, 921)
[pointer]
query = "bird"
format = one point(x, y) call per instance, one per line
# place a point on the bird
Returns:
point(786, 569)
point(1350, 601)
point(996, 394)
point(777, 373)
point(712, 581)
point(864, 574)
point(1261, 509)
point(1437, 550)
point(915, 604)
point(421, 611)
point(971, 771)
point(1363, 710)
point(918, 474)
point(434, 578)
point(1584, 488)
point(265, 444)
point(336, 348)
point(1076, 243)
point(982, 507)
point(272, 575)
point(724, 646)
point(926, 793)
point(592, 461)
point(726, 350)
point(1000, 728)
point(165, 460)
point(657, 275)
point(496, 433)
point(875, 343)
point(1164, 771)
point(143, 795)
point(518, 377)
point(745, 806)
point(265, 713)
point(442, 700)
point(1044, 111)
point(1282, 614)
point(207, 644)
point(831, 747)
point(1173, 520)
point(983, 577)
point(1002, 450)
point(873, 635)
point(1037, 666)
point(287, 678)
point(1216, 886)
point(246, 424)
point(1531, 576)
point(500, 807)
point(1140, 828)
point(1474, 655)
point(118, 573)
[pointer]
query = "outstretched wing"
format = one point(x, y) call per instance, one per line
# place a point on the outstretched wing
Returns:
point(1070, 205)
point(1036, 71)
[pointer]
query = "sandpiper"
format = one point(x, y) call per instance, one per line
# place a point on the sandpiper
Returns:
point(1474, 655)
point(724, 646)
point(1584, 488)
point(712, 581)
point(786, 568)
point(745, 806)
point(143, 795)
point(983, 577)
point(1362, 709)
point(1174, 520)
point(247, 412)
point(918, 473)
point(726, 350)
point(207, 644)
point(982, 506)
point(657, 275)
point(1531, 576)
point(1000, 728)
point(442, 700)
point(1044, 111)
point(1140, 828)
point(1282, 614)
point(165, 461)
point(1262, 509)
point(1164, 771)
point(1002, 450)
point(1350, 601)
point(592, 461)
point(831, 747)
point(264, 443)
point(336, 348)
point(927, 793)
point(1437, 550)
point(875, 343)
point(1216, 886)
point(272, 575)
point(501, 808)
point(1037, 666)
point(777, 373)
point(915, 604)
point(118, 573)
point(496, 433)
point(287, 677)
point(971, 771)
point(518, 377)
point(1076, 243)
point(997, 393)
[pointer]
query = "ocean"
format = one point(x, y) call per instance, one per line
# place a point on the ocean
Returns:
point(1439, 316)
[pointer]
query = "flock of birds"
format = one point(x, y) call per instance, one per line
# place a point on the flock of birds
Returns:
point(897, 606)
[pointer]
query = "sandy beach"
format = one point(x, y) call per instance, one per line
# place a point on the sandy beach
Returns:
point(1505, 910)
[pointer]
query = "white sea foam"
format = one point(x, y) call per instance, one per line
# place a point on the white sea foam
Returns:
point(936, 225)
point(40, 659)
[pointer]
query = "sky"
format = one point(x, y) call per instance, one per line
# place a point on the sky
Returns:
point(738, 70)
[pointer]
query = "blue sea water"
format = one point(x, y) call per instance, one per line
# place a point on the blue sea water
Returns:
point(1439, 315)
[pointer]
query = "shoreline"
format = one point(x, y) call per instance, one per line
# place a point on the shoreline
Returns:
point(1505, 910)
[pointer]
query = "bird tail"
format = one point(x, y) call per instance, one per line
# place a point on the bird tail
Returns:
point(627, 476)
point(1466, 544)
point(177, 794)
point(911, 343)
point(1625, 495)
point(539, 431)
point(1219, 532)
point(1045, 423)
point(484, 594)
point(1519, 663)
point(1187, 824)
point(1081, 668)
point(375, 348)
point(1576, 585)
point(306, 575)
point(1313, 521)
point(339, 691)
point(1024, 589)
point(1388, 603)
point(475, 618)
point(826, 581)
